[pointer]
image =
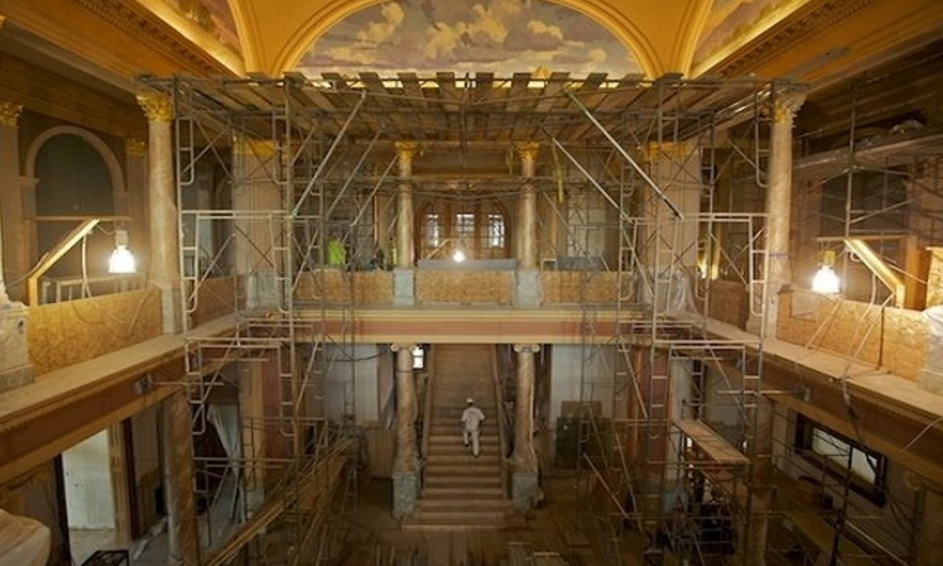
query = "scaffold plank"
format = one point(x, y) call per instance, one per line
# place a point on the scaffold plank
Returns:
point(711, 443)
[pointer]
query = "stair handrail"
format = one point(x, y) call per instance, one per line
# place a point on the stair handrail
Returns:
point(502, 421)
point(427, 415)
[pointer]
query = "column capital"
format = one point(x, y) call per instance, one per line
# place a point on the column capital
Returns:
point(10, 112)
point(399, 347)
point(135, 148)
point(406, 150)
point(262, 149)
point(786, 105)
point(527, 348)
point(528, 150)
point(675, 150)
point(157, 107)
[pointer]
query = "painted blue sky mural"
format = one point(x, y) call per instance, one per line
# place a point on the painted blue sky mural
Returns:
point(467, 36)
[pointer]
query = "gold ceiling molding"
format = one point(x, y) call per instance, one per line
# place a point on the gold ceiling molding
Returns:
point(145, 27)
point(784, 36)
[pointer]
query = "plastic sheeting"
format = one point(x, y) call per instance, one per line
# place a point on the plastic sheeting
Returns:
point(931, 377)
point(23, 541)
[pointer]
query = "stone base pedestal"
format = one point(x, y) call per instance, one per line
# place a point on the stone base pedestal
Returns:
point(527, 289)
point(15, 369)
point(404, 285)
point(405, 494)
point(525, 490)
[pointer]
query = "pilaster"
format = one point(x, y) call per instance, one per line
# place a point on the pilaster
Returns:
point(15, 369)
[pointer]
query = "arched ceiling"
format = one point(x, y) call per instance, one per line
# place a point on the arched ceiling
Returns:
point(818, 41)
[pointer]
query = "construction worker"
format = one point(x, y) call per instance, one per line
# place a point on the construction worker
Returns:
point(471, 419)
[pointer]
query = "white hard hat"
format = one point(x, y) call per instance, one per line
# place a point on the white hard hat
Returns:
point(469, 401)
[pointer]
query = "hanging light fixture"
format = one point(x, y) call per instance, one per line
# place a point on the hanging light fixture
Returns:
point(122, 260)
point(826, 280)
point(458, 256)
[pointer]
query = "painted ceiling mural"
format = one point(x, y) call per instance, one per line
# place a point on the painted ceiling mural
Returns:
point(730, 20)
point(467, 37)
point(214, 16)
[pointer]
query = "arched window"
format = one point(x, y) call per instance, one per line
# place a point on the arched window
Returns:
point(478, 228)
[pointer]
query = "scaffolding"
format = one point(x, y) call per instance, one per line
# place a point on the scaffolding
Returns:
point(278, 177)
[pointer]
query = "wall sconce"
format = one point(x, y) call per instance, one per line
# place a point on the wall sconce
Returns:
point(122, 260)
point(826, 280)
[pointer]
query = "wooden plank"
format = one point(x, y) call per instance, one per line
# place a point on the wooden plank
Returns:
point(711, 443)
point(413, 91)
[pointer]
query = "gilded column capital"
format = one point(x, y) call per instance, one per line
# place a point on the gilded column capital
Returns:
point(526, 348)
point(157, 107)
point(406, 150)
point(135, 148)
point(10, 113)
point(786, 105)
point(261, 149)
point(528, 150)
point(653, 151)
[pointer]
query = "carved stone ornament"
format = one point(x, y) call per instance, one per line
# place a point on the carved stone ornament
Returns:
point(10, 114)
point(157, 107)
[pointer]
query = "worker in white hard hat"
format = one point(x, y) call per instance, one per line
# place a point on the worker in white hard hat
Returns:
point(471, 419)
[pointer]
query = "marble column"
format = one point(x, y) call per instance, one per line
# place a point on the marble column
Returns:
point(12, 242)
point(182, 541)
point(928, 551)
point(525, 481)
point(403, 273)
point(761, 485)
point(255, 192)
point(671, 255)
point(15, 368)
point(527, 279)
point(406, 463)
point(163, 267)
point(779, 204)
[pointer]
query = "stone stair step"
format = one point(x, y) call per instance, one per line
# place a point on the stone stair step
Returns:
point(462, 459)
point(459, 504)
point(462, 481)
point(452, 492)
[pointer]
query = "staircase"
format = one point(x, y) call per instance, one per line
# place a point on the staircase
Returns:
point(461, 492)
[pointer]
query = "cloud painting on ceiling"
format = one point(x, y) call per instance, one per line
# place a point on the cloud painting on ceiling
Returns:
point(467, 36)
point(214, 16)
point(733, 20)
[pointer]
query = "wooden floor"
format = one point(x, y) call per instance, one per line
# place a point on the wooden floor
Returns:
point(379, 541)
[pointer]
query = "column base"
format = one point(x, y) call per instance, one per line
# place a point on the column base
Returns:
point(527, 289)
point(404, 285)
point(525, 490)
point(15, 369)
point(405, 494)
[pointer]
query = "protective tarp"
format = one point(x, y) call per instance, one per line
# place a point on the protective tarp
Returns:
point(931, 377)
point(23, 541)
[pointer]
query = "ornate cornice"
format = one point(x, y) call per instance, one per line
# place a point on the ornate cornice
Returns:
point(10, 113)
point(785, 36)
point(148, 29)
